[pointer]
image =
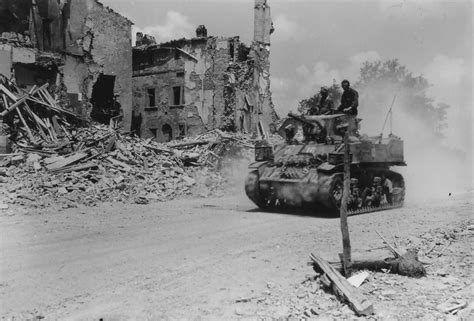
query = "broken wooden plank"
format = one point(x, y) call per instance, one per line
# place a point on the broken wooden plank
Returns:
point(14, 105)
point(119, 163)
point(57, 129)
point(27, 128)
point(158, 149)
point(51, 160)
point(358, 302)
point(5, 101)
point(7, 92)
point(191, 144)
point(76, 168)
point(66, 161)
point(40, 125)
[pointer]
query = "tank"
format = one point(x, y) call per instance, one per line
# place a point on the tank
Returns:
point(307, 170)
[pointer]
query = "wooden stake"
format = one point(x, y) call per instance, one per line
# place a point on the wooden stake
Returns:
point(346, 242)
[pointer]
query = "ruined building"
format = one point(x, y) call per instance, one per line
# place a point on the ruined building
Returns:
point(80, 47)
point(187, 86)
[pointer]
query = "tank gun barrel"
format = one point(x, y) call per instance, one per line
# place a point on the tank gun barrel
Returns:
point(300, 119)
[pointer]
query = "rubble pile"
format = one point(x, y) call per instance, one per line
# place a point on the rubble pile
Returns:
point(102, 165)
point(97, 163)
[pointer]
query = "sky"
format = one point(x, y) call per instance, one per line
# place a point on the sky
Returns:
point(317, 42)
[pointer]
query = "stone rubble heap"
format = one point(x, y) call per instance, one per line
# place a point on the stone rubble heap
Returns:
point(98, 164)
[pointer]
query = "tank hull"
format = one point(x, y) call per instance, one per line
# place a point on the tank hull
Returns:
point(320, 191)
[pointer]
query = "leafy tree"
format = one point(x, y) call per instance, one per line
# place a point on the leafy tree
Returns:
point(380, 81)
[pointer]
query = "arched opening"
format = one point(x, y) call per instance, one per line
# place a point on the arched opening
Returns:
point(167, 132)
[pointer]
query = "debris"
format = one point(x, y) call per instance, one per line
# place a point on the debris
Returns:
point(358, 302)
point(357, 279)
point(93, 163)
point(66, 161)
point(452, 308)
point(444, 249)
point(394, 250)
point(379, 260)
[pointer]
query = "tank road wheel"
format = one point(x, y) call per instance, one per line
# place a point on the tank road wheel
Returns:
point(252, 189)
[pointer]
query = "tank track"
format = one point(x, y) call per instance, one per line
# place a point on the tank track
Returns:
point(369, 209)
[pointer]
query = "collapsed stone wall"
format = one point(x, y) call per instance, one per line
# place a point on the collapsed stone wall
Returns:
point(86, 40)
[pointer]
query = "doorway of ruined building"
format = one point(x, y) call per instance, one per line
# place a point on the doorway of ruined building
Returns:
point(104, 103)
point(167, 132)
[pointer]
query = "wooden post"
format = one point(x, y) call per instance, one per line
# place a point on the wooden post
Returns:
point(346, 242)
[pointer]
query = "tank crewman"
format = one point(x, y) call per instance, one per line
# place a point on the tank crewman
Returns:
point(290, 132)
point(349, 99)
point(372, 196)
point(324, 104)
point(355, 201)
point(387, 189)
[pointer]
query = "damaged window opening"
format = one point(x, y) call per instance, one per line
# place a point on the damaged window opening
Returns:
point(151, 97)
point(167, 132)
point(103, 101)
point(178, 95)
point(27, 75)
point(180, 74)
point(182, 130)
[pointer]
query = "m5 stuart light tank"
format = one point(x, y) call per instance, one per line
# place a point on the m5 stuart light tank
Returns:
point(308, 173)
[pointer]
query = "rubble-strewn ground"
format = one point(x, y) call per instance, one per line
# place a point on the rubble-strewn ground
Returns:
point(219, 258)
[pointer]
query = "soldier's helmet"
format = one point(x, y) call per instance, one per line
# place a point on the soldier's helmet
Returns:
point(290, 130)
point(324, 90)
point(377, 180)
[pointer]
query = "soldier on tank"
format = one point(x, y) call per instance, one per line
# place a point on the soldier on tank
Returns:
point(290, 132)
point(387, 189)
point(349, 99)
point(355, 201)
point(324, 104)
point(373, 196)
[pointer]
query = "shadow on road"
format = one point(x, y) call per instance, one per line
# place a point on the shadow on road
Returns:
point(320, 213)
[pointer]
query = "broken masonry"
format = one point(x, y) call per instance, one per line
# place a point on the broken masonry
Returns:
point(188, 86)
point(80, 48)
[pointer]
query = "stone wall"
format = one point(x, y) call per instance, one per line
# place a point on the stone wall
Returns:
point(166, 72)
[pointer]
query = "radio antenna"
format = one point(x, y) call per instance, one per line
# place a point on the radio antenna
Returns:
point(386, 117)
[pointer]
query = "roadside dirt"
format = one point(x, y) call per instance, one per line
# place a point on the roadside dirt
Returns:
point(221, 259)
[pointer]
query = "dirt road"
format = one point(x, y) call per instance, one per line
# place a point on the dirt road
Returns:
point(185, 259)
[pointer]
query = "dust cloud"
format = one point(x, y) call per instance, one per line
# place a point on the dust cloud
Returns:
point(435, 169)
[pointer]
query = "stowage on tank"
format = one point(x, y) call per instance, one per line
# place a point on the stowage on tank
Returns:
point(307, 171)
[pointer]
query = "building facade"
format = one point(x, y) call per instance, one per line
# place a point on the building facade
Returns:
point(187, 86)
point(80, 47)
